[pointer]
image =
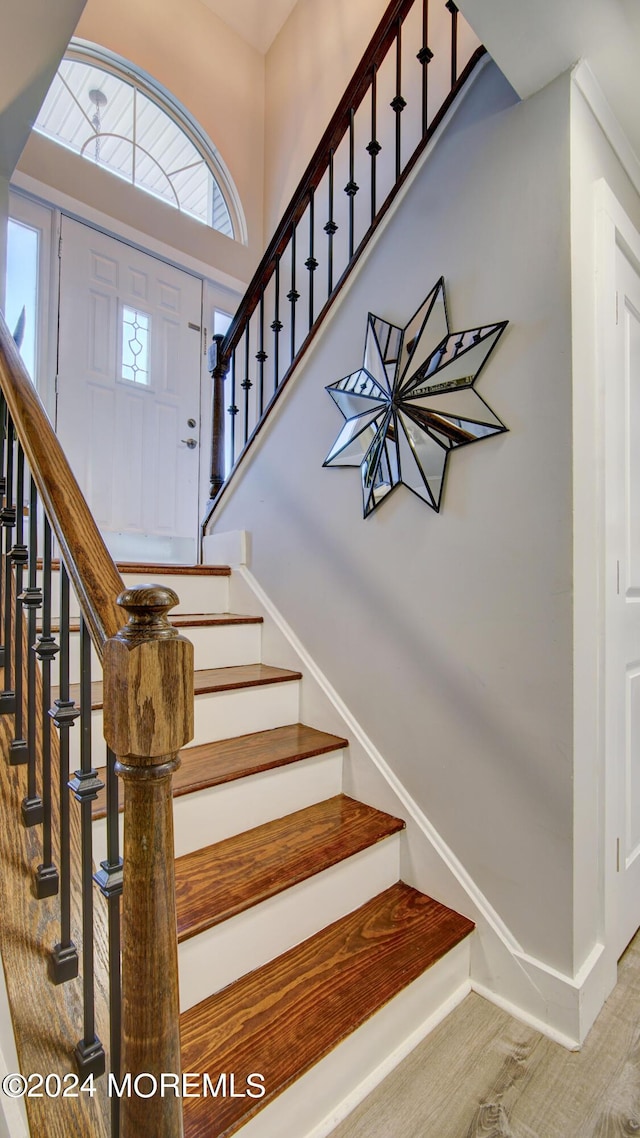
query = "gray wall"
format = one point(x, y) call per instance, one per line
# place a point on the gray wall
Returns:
point(4, 216)
point(449, 636)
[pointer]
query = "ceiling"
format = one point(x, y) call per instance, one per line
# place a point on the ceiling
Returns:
point(257, 21)
point(532, 41)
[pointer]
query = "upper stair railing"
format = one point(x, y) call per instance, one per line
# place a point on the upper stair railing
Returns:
point(420, 57)
point(148, 716)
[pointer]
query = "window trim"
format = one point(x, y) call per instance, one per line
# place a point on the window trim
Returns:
point(84, 51)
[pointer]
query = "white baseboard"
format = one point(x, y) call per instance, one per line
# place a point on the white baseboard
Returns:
point(562, 1007)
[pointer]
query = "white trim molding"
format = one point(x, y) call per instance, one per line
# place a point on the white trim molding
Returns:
point(80, 211)
point(588, 85)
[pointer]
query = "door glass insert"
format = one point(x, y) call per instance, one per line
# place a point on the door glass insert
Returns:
point(21, 314)
point(135, 346)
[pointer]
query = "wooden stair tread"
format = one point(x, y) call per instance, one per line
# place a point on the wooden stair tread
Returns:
point(217, 882)
point(162, 568)
point(207, 680)
point(181, 620)
point(284, 1017)
point(211, 764)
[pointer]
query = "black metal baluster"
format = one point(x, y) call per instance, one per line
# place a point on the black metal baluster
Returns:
point(425, 55)
point(233, 409)
point(8, 518)
point(109, 880)
point(454, 40)
point(374, 146)
point(351, 187)
point(293, 296)
point(89, 1053)
point(46, 650)
point(330, 228)
point(63, 961)
point(276, 328)
point(398, 103)
point(261, 355)
point(246, 384)
point(32, 809)
point(311, 264)
point(18, 749)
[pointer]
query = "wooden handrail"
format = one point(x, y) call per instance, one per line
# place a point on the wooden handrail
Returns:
point(247, 339)
point(95, 577)
point(379, 45)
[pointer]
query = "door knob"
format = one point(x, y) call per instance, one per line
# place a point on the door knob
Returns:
point(191, 443)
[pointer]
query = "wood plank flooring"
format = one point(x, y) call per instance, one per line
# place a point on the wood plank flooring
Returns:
point(481, 1074)
point(219, 881)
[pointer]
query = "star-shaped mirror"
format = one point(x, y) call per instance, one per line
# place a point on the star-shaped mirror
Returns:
point(413, 401)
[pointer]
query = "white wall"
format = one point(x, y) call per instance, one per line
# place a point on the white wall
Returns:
point(34, 36)
point(4, 215)
point(592, 158)
point(307, 69)
point(449, 636)
point(219, 78)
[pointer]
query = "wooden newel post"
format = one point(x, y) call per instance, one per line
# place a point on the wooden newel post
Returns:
point(148, 717)
point(218, 366)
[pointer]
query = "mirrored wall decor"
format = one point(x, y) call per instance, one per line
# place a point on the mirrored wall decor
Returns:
point(413, 401)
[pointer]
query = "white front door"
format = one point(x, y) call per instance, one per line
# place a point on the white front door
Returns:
point(128, 403)
point(623, 600)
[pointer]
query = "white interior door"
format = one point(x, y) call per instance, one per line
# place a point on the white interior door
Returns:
point(623, 600)
point(128, 400)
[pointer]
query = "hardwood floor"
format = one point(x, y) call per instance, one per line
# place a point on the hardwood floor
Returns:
point(481, 1074)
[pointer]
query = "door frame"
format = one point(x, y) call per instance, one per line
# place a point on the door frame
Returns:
point(220, 292)
point(613, 230)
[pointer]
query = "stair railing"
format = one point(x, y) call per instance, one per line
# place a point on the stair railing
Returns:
point(148, 717)
point(419, 58)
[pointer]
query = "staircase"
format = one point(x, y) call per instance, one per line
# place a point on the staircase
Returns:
point(293, 925)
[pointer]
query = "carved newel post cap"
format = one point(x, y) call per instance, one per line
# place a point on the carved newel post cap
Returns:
point(148, 679)
point(148, 607)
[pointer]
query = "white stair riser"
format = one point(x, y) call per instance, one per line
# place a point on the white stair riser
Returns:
point(317, 1102)
point(197, 594)
point(220, 812)
point(222, 715)
point(218, 715)
point(220, 955)
point(215, 646)
point(225, 645)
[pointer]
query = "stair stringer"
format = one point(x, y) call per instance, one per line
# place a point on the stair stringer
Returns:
point(560, 1006)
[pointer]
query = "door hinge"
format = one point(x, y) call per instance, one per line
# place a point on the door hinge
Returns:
point(204, 341)
point(60, 246)
point(617, 855)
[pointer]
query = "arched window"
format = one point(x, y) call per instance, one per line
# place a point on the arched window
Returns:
point(115, 116)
